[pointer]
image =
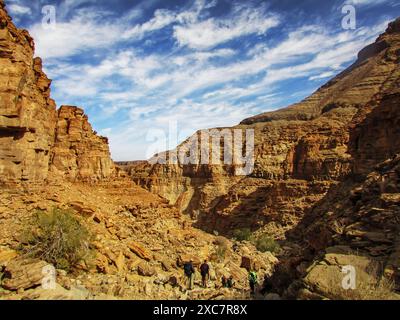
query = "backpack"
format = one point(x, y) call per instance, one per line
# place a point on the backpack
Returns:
point(188, 269)
point(253, 277)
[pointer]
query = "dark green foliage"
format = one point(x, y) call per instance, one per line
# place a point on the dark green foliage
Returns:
point(57, 237)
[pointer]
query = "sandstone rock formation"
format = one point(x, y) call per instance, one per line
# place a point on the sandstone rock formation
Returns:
point(79, 153)
point(27, 113)
point(326, 183)
point(35, 139)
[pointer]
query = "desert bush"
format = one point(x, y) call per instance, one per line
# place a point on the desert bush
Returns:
point(264, 243)
point(242, 234)
point(57, 237)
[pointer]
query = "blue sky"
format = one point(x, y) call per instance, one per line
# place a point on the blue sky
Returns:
point(139, 66)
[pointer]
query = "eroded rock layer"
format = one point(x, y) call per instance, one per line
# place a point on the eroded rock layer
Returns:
point(79, 154)
point(27, 113)
point(35, 139)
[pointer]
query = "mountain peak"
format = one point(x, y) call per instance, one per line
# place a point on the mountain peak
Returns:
point(394, 27)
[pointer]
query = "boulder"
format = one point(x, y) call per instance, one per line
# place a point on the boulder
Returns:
point(145, 269)
point(58, 293)
point(6, 255)
point(325, 278)
point(82, 209)
point(24, 274)
point(140, 251)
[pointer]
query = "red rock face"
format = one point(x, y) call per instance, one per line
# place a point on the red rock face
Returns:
point(34, 138)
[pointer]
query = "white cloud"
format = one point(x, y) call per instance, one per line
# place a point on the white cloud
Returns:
point(83, 32)
point(18, 10)
point(365, 2)
point(212, 32)
point(161, 19)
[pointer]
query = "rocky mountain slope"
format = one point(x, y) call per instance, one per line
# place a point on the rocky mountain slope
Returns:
point(52, 158)
point(315, 186)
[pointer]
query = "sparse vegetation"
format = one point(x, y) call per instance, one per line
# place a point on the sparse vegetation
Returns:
point(220, 250)
point(264, 243)
point(242, 234)
point(57, 237)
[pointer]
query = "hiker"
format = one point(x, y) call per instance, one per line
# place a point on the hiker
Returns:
point(230, 283)
point(253, 280)
point(205, 273)
point(224, 281)
point(189, 273)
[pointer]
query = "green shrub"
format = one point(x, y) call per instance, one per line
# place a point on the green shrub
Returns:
point(220, 252)
point(242, 234)
point(265, 243)
point(57, 237)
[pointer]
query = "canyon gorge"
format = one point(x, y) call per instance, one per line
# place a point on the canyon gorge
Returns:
point(325, 187)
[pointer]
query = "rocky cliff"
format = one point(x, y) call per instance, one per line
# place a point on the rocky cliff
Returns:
point(35, 139)
point(78, 153)
point(27, 113)
point(300, 152)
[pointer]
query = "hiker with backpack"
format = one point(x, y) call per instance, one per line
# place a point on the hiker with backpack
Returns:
point(205, 273)
point(253, 280)
point(224, 282)
point(189, 273)
point(230, 282)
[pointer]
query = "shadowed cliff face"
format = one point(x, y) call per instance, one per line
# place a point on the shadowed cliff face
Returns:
point(304, 150)
point(36, 141)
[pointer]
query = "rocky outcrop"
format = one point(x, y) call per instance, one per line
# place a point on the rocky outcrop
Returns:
point(23, 274)
point(35, 139)
point(79, 154)
point(355, 222)
point(27, 113)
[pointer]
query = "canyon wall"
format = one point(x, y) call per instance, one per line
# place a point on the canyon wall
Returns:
point(300, 152)
point(326, 182)
point(27, 113)
point(38, 142)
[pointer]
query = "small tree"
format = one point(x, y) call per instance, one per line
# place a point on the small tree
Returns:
point(57, 237)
